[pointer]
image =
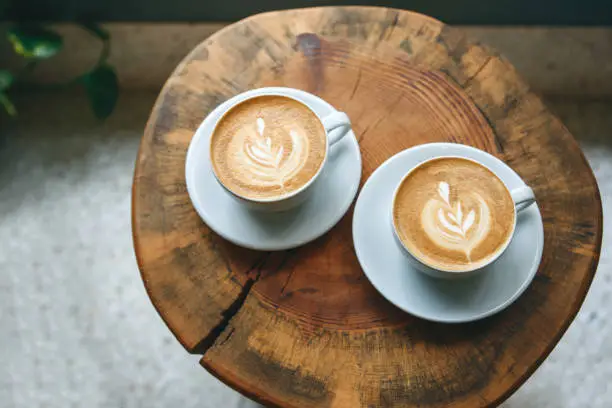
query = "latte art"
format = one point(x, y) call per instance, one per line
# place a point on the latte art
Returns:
point(446, 225)
point(267, 163)
point(453, 214)
point(267, 147)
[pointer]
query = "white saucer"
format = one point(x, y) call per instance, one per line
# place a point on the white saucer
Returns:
point(449, 301)
point(334, 192)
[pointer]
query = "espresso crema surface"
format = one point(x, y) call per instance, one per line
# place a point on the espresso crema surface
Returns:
point(268, 147)
point(453, 214)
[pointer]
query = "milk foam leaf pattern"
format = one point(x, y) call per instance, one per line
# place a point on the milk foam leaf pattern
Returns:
point(448, 226)
point(261, 126)
point(459, 217)
point(273, 156)
point(469, 221)
point(279, 156)
point(444, 190)
point(455, 215)
point(261, 150)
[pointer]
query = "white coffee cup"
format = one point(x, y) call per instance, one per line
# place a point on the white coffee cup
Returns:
point(522, 196)
point(336, 124)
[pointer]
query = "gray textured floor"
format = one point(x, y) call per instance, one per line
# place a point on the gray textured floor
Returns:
point(77, 327)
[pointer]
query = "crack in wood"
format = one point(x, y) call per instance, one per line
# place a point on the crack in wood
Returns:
point(287, 282)
point(384, 35)
point(227, 315)
point(228, 336)
point(393, 24)
point(421, 30)
point(254, 273)
point(356, 84)
point(478, 71)
point(360, 139)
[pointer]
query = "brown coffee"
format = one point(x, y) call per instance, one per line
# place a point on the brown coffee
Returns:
point(267, 147)
point(453, 214)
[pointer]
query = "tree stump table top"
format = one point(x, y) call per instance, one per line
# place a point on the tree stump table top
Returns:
point(304, 328)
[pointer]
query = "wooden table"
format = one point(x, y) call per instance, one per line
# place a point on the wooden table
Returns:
point(304, 328)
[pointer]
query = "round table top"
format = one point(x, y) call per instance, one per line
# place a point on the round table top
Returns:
point(305, 328)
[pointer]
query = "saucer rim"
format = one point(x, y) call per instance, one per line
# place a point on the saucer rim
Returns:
point(437, 318)
point(200, 133)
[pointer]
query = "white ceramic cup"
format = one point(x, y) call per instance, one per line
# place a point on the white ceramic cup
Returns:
point(522, 196)
point(337, 125)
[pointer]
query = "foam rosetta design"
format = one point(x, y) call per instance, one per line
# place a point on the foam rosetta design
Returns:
point(266, 162)
point(267, 147)
point(452, 226)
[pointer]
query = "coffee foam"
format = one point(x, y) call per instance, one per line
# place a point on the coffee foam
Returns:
point(268, 147)
point(453, 214)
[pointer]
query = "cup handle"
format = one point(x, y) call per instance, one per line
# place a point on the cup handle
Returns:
point(523, 197)
point(337, 125)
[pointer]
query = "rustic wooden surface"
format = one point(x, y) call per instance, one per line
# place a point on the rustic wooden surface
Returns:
point(304, 328)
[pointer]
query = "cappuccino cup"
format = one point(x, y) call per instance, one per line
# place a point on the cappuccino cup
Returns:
point(453, 216)
point(268, 150)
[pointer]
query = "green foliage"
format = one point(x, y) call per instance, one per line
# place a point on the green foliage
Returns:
point(96, 30)
point(103, 90)
point(7, 104)
point(6, 79)
point(35, 43)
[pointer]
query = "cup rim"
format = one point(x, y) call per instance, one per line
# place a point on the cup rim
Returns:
point(446, 270)
point(292, 194)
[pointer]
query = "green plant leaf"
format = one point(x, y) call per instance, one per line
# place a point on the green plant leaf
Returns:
point(96, 30)
point(6, 79)
point(7, 104)
point(34, 41)
point(102, 89)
